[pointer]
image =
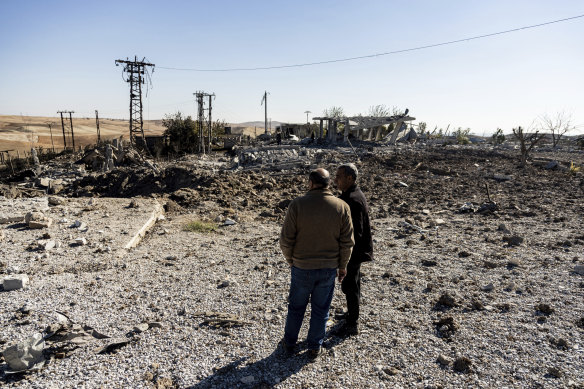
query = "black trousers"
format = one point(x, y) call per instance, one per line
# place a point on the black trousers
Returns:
point(351, 287)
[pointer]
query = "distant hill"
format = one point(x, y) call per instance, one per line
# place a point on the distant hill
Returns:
point(258, 124)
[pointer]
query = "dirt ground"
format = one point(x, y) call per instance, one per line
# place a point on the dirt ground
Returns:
point(473, 283)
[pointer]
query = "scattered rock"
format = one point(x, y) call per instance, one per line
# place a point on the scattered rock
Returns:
point(141, 327)
point(14, 282)
point(80, 242)
point(37, 220)
point(247, 380)
point(464, 254)
point(578, 269)
point(56, 200)
point(514, 262)
point(513, 240)
point(443, 360)
point(428, 262)
point(448, 299)
point(555, 372)
point(546, 309)
point(391, 371)
point(462, 365)
point(503, 228)
point(551, 165)
point(446, 327)
point(467, 208)
point(488, 288)
point(46, 245)
point(229, 222)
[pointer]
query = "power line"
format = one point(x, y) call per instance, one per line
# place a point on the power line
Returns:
point(377, 54)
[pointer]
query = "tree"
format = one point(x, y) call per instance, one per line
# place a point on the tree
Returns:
point(334, 112)
point(526, 142)
point(182, 132)
point(498, 137)
point(379, 111)
point(558, 125)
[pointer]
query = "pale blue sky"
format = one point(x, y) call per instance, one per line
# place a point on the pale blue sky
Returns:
point(60, 55)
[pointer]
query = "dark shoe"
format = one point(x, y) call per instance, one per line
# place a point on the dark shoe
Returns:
point(313, 353)
point(347, 330)
point(288, 350)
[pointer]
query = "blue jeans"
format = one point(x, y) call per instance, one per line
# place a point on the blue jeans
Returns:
point(317, 285)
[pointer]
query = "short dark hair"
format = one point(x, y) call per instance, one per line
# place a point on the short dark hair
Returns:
point(350, 169)
point(319, 180)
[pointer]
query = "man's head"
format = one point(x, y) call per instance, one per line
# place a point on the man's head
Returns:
point(346, 176)
point(319, 179)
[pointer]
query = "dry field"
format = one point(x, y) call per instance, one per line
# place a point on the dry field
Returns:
point(25, 132)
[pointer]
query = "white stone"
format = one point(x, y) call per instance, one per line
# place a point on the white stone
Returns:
point(81, 241)
point(14, 282)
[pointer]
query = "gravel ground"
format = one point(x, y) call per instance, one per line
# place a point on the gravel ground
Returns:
point(454, 306)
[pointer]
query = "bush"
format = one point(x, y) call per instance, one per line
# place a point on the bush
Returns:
point(462, 136)
point(200, 226)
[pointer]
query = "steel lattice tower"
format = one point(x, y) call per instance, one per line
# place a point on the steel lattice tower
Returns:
point(135, 71)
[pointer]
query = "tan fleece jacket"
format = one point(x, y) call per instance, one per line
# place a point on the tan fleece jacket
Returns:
point(317, 231)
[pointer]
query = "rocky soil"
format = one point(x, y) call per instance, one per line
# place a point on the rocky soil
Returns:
point(469, 288)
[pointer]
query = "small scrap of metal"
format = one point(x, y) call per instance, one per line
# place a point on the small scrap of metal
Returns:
point(410, 228)
point(221, 319)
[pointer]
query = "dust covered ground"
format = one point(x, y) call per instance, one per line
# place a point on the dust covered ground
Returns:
point(463, 292)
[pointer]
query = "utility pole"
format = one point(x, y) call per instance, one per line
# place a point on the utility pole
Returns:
point(265, 99)
point(97, 125)
point(210, 122)
point(69, 129)
point(307, 112)
point(50, 124)
point(135, 70)
point(204, 125)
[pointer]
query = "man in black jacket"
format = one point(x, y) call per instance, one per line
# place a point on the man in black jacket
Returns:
point(346, 180)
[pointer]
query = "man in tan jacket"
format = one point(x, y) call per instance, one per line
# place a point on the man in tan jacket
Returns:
point(316, 240)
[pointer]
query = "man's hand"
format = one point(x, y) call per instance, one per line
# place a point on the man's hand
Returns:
point(341, 273)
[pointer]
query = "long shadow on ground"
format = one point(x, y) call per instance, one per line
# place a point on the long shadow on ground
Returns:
point(266, 372)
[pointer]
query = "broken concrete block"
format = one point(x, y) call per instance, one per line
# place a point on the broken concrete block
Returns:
point(44, 182)
point(14, 282)
point(37, 220)
point(10, 219)
point(26, 355)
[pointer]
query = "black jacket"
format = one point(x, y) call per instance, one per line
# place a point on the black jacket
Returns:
point(363, 249)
